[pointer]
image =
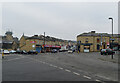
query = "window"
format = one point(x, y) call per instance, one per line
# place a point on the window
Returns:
point(98, 40)
point(86, 40)
point(98, 47)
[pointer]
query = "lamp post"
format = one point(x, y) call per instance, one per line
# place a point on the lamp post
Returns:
point(112, 35)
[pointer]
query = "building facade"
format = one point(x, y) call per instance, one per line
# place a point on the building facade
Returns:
point(36, 42)
point(8, 42)
point(94, 42)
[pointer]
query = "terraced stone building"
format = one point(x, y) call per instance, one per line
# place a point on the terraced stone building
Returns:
point(96, 41)
point(37, 41)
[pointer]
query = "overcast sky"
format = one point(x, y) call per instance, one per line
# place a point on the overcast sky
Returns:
point(64, 20)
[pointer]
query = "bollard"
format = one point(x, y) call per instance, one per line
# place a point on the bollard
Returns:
point(2, 54)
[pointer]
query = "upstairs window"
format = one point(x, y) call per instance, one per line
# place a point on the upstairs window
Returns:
point(86, 40)
point(98, 40)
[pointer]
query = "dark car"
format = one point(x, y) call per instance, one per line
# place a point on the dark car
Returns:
point(18, 52)
point(107, 51)
point(21, 52)
point(54, 51)
point(24, 52)
point(32, 52)
point(115, 48)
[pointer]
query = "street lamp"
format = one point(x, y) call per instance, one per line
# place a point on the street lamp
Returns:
point(112, 35)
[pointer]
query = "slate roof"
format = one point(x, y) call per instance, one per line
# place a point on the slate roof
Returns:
point(99, 34)
point(41, 37)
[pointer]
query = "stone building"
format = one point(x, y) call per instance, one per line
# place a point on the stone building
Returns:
point(9, 42)
point(95, 41)
point(37, 41)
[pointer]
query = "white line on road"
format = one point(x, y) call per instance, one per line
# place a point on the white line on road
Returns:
point(76, 73)
point(54, 66)
point(47, 63)
point(51, 65)
point(97, 80)
point(43, 62)
point(87, 77)
point(14, 59)
point(60, 68)
point(67, 70)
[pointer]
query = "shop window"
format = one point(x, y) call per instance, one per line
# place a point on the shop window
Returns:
point(86, 47)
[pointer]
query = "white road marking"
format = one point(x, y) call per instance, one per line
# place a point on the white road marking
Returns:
point(54, 66)
point(14, 59)
point(60, 68)
point(51, 65)
point(67, 70)
point(87, 77)
point(104, 77)
point(76, 73)
point(43, 62)
point(97, 80)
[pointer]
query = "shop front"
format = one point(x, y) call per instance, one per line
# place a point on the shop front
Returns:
point(87, 47)
point(48, 48)
point(38, 48)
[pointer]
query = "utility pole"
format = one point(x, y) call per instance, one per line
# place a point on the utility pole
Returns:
point(101, 41)
point(112, 36)
point(44, 41)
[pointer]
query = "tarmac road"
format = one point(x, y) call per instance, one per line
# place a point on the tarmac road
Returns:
point(58, 67)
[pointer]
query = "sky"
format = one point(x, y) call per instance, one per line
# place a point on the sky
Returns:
point(63, 20)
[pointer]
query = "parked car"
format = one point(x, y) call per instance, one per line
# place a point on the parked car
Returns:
point(116, 48)
point(54, 51)
point(70, 51)
point(86, 50)
point(12, 51)
point(24, 52)
point(18, 52)
point(6, 52)
point(107, 51)
point(32, 52)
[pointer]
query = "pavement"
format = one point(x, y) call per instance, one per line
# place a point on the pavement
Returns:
point(59, 67)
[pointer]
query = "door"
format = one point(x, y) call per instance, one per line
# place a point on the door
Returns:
point(38, 49)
